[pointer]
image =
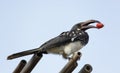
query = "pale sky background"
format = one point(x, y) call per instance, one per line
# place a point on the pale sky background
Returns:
point(26, 24)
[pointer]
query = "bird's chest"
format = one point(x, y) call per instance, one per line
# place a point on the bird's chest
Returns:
point(72, 47)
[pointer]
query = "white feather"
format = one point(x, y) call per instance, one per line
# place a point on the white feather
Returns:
point(72, 47)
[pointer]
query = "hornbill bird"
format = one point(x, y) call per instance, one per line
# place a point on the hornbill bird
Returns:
point(66, 43)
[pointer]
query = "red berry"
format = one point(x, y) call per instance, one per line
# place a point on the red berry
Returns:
point(99, 25)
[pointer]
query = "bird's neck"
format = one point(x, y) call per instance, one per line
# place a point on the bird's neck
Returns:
point(84, 38)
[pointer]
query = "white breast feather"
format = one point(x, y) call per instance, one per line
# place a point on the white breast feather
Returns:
point(72, 47)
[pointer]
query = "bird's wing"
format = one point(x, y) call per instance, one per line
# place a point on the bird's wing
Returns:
point(57, 41)
point(63, 39)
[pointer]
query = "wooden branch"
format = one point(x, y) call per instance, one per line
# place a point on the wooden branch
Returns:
point(71, 69)
point(67, 68)
point(20, 66)
point(87, 68)
point(32, 63)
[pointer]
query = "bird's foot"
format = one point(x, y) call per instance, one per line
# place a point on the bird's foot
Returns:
point(70, 58)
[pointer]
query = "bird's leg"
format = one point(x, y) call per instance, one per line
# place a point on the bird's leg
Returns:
point(65, 56)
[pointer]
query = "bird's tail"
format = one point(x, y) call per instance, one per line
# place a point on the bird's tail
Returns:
point(23, 53)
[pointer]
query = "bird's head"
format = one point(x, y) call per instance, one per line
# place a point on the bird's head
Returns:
point(86, 25)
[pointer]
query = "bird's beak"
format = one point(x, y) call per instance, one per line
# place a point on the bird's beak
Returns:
point(85, 25)
point(89, 22)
